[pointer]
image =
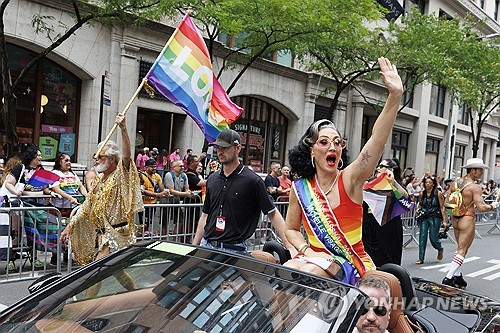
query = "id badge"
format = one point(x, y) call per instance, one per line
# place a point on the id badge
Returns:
point(220, 223)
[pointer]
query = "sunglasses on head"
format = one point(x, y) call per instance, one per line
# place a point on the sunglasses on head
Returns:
point(379, 310)
point(383, 166)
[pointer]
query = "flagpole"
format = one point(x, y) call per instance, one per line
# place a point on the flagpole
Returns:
point(123, 113)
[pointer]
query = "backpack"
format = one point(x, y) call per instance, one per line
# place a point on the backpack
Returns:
point(454, 202)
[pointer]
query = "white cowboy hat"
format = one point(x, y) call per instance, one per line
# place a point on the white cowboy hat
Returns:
point(475, 163)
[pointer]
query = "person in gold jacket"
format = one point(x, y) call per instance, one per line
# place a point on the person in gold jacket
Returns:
point(108, 210)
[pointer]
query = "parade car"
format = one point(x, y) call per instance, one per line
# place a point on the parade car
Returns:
point(171, 287)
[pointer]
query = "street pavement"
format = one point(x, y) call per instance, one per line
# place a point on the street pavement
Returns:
point(481, 268)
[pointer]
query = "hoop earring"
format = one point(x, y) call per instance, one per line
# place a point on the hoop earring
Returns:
point(312, 162)
point(340, 166)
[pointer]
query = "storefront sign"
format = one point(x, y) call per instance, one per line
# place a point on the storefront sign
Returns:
point(67, 144)
point(56, 129)
point(48, 147)
point(255, 140)
point(244, 127)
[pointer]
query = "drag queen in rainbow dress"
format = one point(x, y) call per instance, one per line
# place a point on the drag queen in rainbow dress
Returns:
point(326, 201)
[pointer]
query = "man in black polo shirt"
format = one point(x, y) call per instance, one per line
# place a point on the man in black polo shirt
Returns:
point(234, 199)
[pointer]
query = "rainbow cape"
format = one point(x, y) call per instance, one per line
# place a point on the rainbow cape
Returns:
point(42, 178)
point(183, 74)
point(384, 200)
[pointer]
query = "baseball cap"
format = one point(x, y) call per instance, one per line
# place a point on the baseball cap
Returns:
point(227, 138)
point(150, 162)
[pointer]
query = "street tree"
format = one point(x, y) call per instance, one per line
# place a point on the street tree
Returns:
point(57, 32)
point(476, 82)
point(450, 52)
point(258, 29)
point(346, 51)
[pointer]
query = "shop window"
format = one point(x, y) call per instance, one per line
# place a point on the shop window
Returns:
point(263, 133)
point(58, 111)
point(47, 110)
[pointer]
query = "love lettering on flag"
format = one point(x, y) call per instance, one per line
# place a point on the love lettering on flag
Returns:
point(183, 74)
point(384, 199)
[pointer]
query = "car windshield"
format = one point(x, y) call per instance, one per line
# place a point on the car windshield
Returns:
point(166, 287)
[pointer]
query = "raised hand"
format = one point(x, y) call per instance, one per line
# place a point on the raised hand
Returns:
point(390, 76)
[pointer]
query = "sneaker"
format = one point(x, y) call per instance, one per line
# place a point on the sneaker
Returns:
point(38, 263)
point(449, 282)
point(440, 254)
point(11, 266)
point(459, 281)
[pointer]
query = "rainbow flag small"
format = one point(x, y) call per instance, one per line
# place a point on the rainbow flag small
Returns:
point(384, 200)
point(183, 74)
point(42, 178)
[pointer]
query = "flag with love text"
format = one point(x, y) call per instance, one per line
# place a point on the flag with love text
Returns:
point(183, 73)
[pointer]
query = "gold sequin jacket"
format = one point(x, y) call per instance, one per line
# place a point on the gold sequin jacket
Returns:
point(114, 203)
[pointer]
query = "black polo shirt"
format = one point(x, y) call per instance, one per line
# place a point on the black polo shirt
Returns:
point(242, 196)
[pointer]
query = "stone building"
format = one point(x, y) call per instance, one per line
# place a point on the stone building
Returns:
point(60, 104)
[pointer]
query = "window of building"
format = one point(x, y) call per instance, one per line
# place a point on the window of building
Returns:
point(438, 98)
point(320, 112)
point(497, 8)
point(463, 114)
point(481, 3)
point(408, 93)
point(458, 160)
point(445, 15)
point(144, 67)
point(48, 105)
point(431, 155)
point(263, 133)
point(399, 147)
point(409, 4)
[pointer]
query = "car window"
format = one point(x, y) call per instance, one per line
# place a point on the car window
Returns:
point(157, 290)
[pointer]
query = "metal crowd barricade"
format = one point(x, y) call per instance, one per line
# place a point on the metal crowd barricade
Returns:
point(410, 228)
point(39, 229)
point(175, 222)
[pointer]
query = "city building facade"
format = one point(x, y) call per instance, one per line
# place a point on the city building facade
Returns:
point(69, 101)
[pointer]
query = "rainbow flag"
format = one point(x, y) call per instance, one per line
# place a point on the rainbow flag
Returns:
point(384, 200)
point(42, 178)
point(183, 74)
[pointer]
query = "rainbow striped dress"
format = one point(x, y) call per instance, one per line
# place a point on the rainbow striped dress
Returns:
point(334, 231)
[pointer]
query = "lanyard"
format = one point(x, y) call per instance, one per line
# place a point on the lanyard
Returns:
point(226, 193)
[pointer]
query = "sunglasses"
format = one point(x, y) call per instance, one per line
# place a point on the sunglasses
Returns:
point(101, 156)
point(379, 310)
point(325, 143)
point(383, 166)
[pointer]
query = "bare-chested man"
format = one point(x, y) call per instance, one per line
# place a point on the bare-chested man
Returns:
point(464, 226)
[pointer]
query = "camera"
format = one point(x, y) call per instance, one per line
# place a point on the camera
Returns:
point(443, 232)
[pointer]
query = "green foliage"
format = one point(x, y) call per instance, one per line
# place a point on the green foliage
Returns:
point(451, 52)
